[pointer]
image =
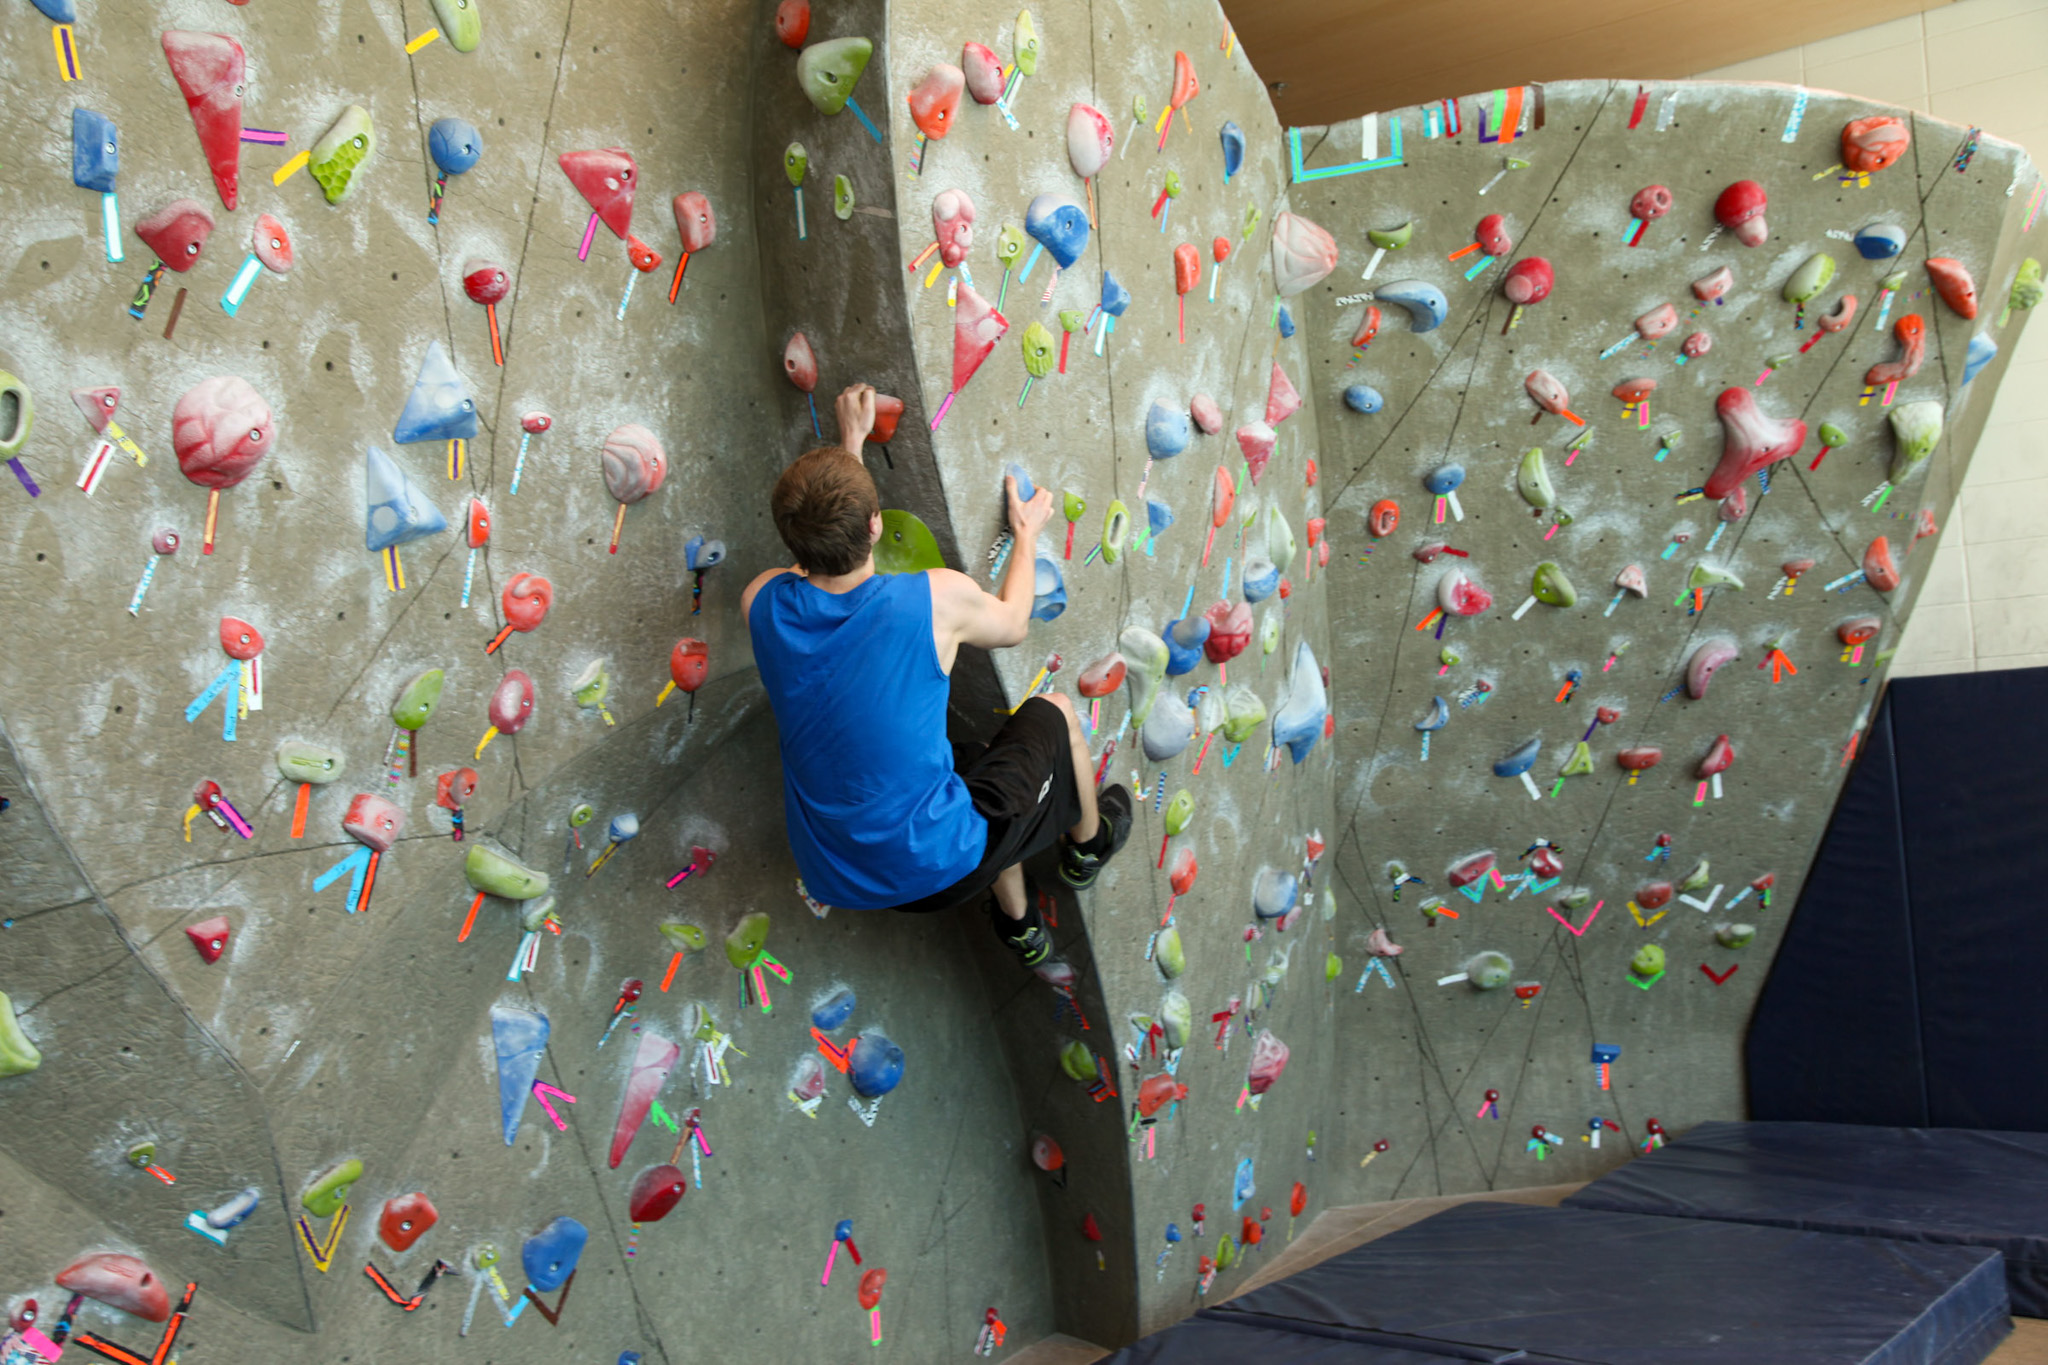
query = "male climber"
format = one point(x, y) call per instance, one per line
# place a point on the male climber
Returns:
point(856, 665)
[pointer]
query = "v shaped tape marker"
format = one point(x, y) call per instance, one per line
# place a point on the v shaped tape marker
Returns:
point(1579, 931)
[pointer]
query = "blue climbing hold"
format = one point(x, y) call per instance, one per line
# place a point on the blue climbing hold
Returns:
point(1880, 241)
point(1158, 516)
point(1173, 1232)
point(833, 1011)
point(1285, 321)
point(1274, 893)
point(1425, 304)
point(58, 11)
point(1363, 398)
point(1445, 478)
point(700, 554)
point(876, 1066)
point(1520, 761)
point(95, 151)
point(549, 1256)
point(519, 1037)
point(842, 1230)
point(1233, 150)
point(1298, 723)
point(1026, 490)
point(1115, 298)
point(1060, 225)
point(439, 408)
point(1048, 588)
point(1439, 716)
point(1981, 353)
point(1261, 579)
point(1167, 431)
point(1184, 640)
point(455, 144)
point(394, 512)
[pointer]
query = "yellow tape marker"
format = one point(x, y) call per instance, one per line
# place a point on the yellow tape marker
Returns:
point(290, 168)
point(416, 44)
point(66, 43)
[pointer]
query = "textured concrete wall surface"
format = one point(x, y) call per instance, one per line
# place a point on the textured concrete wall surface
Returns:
point(324, 1034)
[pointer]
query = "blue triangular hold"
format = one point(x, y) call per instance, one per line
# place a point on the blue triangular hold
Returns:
point(394, 513)
point(519, 1037)
point(439, 407)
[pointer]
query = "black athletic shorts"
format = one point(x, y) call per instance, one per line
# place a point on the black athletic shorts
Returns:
point(1023, 785)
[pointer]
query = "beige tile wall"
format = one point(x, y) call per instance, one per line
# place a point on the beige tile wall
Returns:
point(1982, 62)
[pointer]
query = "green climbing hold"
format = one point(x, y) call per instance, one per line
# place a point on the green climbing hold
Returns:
point(1173, 184)
point(1077, 1061)
point(1177, 1018)
point(907, 545)
point(1070, 320)
point(1577, 898)
point(499, 874)
point(1226, 1254)
point(1809, 279)
point(1010, 247)
point(1251, 219)
point(18, 1055)
point(2027, 289)
point(1245, 711)
point(1896, 280)
point(417, 700)
point(1172, 958)
point(1648, 961)
point(462, 23)
point(1333, 967)
point(1072, 505)
point(1391, 239)
point(744, 945)
point(682, 937)
point(1695, 880)
point(594, 684)
point(1039, 354)
point(300, 761)
point(1735, 935)
point(1550, 586)
point(1707, 576)
point(1138, 110)
point(1448, 657)
point(795, 162)
point(582, 815)
point(325, 1196)
point(1580, 763)
point(341, 152)
point(1116, 525)
point(1832, 436)
point(829, 70)
point(1024, 44)
point(1489, 971)
point(535, 914)
point(1179, 811)
point(1917, 429)
point(842, 198)
point(1532, 481)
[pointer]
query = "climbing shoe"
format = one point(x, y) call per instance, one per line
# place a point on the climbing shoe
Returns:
point(1027, 938)
point(1079, 865)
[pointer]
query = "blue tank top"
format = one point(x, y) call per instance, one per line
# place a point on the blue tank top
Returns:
point(877, 816)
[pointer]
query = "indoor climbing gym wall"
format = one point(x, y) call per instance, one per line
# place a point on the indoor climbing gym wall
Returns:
point(400, 951)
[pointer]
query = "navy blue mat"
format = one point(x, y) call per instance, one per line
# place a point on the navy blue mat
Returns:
point(1483, 1281)
point(1226, 1338)
point(1952, 1185)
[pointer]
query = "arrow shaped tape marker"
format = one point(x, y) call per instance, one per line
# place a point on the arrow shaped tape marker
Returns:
point(1578, 931)
point(541, 1091)
point(1723, 977)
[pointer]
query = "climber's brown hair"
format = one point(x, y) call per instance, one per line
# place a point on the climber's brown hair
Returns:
point(822, 505)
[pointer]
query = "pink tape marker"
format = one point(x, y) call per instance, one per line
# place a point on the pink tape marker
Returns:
point(589, 233)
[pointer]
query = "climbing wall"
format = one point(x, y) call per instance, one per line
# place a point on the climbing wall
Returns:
point(374, 1101)
point(1750, 615)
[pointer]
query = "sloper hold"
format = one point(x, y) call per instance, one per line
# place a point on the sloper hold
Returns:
point(1810, 279)
point(1705, 662)
point(1283, 400)
point(653, 1059)
point(1049, 586)
point(1982, 351)
point(177, 233)
point(519, 1037)
point(1166, 431)
point(606, 177)
point(1528, 281)
point(439, 407)
point(341, 151)
point(1879, 566)
point(95, 151)
point(984, 73)
point(1740, 209)
point(1916, 427)
point(1298, 723)
point(656, 1192)
point(549, 1256)
point(462, 23)
point(18, 1056)
point(1169, 728)
point(1184, 641)
point(1532, 480)
point(1145, 659)
point(220, 430)
point(394, 512)
point(1303, 253)
point(1520, 761)
point(977, 327)
point(1880, 241)
point(1061, 226)
point(209, 68)
point(1750, 440)
point(324, 1197)
point(1424, 303)
point(1089, 135)
point(119, 1281)
point(876, 1067)
point(935, 100)
point(1953, 282)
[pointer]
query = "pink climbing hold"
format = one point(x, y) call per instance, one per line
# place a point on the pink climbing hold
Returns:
point(1650, 203)
point(1639, 758)
point(653, 1059)
point(1208, 416)
point(1459, 595)
point(1269, 1059)
point(1230, 631)
point(1282, 399)
point(1697, 345)
point(977, 327)
point(1493, 236)
point(220, 429)
point(1257, 440)
point(374, 822)
point(1705, 662)
point(119, 1281)
point(1736, 505)
point(1658, 323)
point(1713, 287)
point(953, 225)
point(983, 71)
point(1303, 253)
point(1879, 567)
point(210, 71)
point(1911, 332)
point(1469, 870)
point(1090, 138)
point(177, 233)
point(1719, 758)
point(1156, 1092)
point(1740, 209)
point(1103, 677)
point(800, 362)
point(1750, 440)
point(210, 937)
point(1652, 895)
